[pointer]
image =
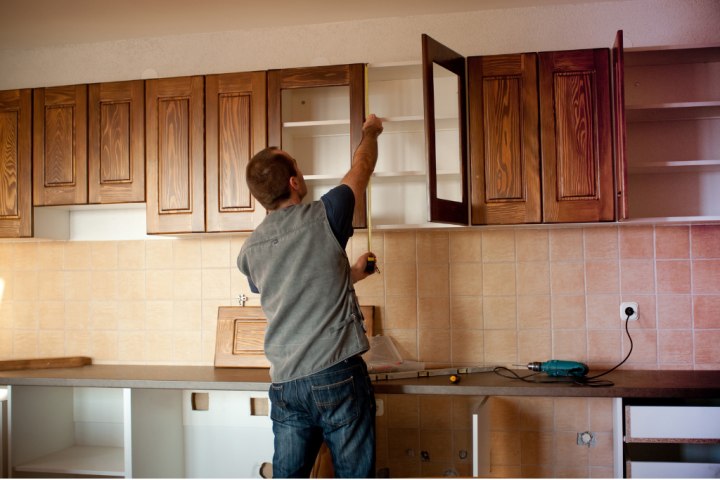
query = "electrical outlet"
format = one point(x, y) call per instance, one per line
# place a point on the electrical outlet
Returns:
point(624, 313)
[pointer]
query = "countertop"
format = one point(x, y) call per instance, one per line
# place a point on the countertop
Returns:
point(625, 383)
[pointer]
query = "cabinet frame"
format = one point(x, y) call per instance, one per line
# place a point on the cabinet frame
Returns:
point(352, 76)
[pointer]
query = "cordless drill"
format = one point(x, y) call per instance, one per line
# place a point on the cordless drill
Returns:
point(560, 368)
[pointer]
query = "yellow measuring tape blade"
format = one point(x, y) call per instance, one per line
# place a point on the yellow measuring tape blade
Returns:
point(368, 194)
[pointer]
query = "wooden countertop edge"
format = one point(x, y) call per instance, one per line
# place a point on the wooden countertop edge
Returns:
point(626, 383)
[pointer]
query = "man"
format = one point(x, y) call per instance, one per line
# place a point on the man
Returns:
point(296, 260)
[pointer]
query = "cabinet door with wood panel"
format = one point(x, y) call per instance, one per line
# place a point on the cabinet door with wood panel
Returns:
point(504, 140)
point(116, 142)
point(235, 129)
point(60, 145)
point(16, 212)
point(576, 132)
point(316, 114)
point(174, 122)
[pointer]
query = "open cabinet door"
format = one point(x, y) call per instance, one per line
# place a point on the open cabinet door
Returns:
point(620, 131)
point(445, 132)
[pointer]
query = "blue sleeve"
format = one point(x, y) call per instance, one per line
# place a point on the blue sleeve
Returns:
point(340, 206)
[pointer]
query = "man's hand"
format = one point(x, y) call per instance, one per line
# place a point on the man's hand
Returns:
point(357, 271)
point(364, 158)
point(372, 126)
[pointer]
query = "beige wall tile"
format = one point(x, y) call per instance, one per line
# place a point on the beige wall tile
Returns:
point(104, 255)
point(25, 257)
point(533, 311)
point(77, 285)
point(159, 284)
point(673, 276)
point(400, 312)
point(158, 347)
point(705, 241)
point(570, 344)
point(500, 312)
point(104, 285)
point(604, 348)
point(131, 346)
point(467, 347)
point(51, 285)
point(706, 276)
point(403, 411)
point(675, 347)
point(104, 345)
point(131, 315)
point(77, 315)
point(159, 315)
point(432, 247)
point(438, 445)
point(534, 345)
point(533, 278)
point(103, 314)
point(672, 242)
point(187, 347)
point(187, 315)
point(571, 414)
point(187, 253)
point(601, 414)
point(131, 285)
point(567, 453)
point(434, 312)
point(675, 312)
point(26, 285)
point(500, 346)
point(400, 279)
point(51, 343)
point(567, 278)
point(465, 246)
point(187, 284)
point(566, 244)
point(499, 279)
point(434, 347)
point(78, 342)
point(707, 353)
point(637, 242)
point(568, 311)
point(505, 449)
point(603, 312)
point(77, 256)
point(216, 283)
point(532, 245)
point(637, 276)
point(435, 411)
point(706, 310)
point(466, 279)
point(131, 255)
point(433, 280)
point(400, 247)
point(498, 245)
point(215, 252)
point(644, 347)
point(466, 312)
point(601, 243)
point(50, 256)
point(602, 276)
point(51, 315)
point(159, 253)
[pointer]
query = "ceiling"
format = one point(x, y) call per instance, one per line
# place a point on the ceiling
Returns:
point(36, 23)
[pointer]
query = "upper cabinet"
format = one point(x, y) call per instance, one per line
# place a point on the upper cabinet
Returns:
point(316, 114)
point(200, 135)
point(235, 130)
point(672, 115)
point(116, 142)
point(16, 219)
point(60, 146)
point(541, 143)
point(88, 144)
point(175, 155)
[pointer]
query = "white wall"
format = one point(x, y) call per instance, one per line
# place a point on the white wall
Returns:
point(587, 25)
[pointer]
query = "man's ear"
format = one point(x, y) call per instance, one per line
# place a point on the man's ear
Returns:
point(294, 183)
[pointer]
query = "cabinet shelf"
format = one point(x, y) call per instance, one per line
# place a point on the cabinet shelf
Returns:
point(80, 460)
point(662, 112)
point(676, 166)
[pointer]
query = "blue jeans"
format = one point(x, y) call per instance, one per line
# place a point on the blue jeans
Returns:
point(336, 405)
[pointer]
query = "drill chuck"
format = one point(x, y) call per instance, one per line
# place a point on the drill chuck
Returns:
point(560, 368)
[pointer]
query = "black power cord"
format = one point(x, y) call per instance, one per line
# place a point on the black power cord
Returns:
point(584, 381)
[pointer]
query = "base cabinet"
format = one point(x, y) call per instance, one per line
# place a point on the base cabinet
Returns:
point(670, 439)
point(143, 433)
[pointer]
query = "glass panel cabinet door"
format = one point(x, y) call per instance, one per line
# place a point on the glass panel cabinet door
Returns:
point(446, 132)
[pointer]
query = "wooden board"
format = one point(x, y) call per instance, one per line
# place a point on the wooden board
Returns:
point(241, 333)
point(40, 363)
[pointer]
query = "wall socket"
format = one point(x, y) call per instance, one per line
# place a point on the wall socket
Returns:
point(624, 315)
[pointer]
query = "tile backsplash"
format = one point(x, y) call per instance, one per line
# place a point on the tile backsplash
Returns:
point(461, 297)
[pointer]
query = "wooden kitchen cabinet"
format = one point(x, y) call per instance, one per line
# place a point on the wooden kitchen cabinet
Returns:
point(201, 133)
point(175, 154)
point(555, 167)
point(116, 142)
point(235, 130)
point(60, 145)
point(672, 120)
point(16, 212)
point(316, 114)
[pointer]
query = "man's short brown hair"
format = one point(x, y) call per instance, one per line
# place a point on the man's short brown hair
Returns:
point(268, 176)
